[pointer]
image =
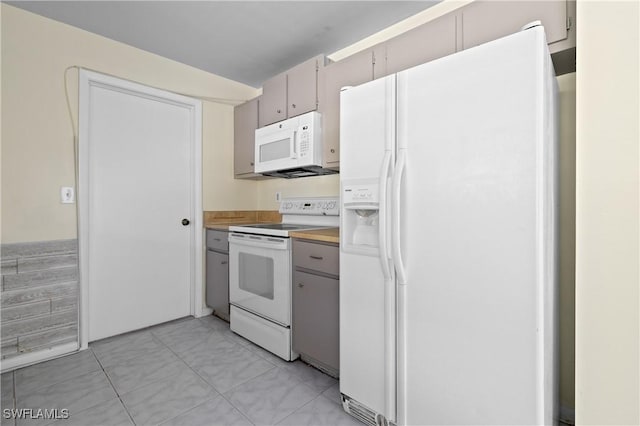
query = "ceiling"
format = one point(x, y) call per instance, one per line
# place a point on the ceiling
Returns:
point(246, 41)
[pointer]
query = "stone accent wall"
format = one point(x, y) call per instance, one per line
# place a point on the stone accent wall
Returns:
point(39, 298)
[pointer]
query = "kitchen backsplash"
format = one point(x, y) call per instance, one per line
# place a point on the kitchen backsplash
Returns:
point(39, 295)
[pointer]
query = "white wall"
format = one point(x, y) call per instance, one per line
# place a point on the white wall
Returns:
point(37, 144)
point(607, 214)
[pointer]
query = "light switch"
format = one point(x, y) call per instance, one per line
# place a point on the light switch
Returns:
point(67, 195)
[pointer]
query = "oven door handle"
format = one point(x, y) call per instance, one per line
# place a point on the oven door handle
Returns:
point(262, 241)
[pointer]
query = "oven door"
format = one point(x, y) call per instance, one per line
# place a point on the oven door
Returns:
point(260, 275)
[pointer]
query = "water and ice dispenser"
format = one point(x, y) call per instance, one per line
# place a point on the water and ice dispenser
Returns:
point(361, 216)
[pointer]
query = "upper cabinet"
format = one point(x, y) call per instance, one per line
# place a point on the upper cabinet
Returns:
point(433, 40)
point(291, 93)
point(302, 87)
point(354, 70)
point(311, 85)
point(273, 105)
point(245, 123)
point(483, 21)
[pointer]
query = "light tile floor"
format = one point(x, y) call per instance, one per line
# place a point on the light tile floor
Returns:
point(186, 372)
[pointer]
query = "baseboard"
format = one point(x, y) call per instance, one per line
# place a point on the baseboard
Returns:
point(203, 312)
point(26, 359)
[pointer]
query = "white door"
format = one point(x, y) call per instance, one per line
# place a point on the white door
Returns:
point(136, 187)
point(477, 215)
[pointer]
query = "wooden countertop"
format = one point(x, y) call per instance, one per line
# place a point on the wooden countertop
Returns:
point(327, 235)
point(222, 220)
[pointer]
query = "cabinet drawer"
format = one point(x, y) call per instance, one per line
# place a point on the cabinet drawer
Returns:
point(217, 240)
point(318, 257)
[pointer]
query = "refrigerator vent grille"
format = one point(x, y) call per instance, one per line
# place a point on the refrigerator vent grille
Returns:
point(359, 411)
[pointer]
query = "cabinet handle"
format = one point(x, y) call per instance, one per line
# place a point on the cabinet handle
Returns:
point(217, 239)
point(293, 105)
point(300, 285)
point(224, 262)
point(333, 151)
point(278, 111)
point(251, 163)
point(315, 257)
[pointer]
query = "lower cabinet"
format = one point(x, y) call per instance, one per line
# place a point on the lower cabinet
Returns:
point(316, 304)
point(217, 274)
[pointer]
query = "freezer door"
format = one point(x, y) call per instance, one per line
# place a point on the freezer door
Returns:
point(367, 290)
point(477, 236)
point(367, 127)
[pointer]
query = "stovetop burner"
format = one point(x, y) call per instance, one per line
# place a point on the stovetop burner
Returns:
point(298, 214)
point(273, 229)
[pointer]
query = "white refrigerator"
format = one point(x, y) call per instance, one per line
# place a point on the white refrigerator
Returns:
point(448, 262)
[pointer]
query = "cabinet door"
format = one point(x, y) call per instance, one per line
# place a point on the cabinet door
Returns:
point(245, 123)
point(273, 105)
point(352, 71)
point(316, 323)
point(483, 21)
point(302, 88)
point(379, 52)
point(218, 283)
point(425, 43)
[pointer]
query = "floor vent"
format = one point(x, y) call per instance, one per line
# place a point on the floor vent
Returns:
point(359, 411)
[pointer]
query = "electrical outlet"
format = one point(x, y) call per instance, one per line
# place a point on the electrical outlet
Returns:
point(278, 196)
point(67, 195)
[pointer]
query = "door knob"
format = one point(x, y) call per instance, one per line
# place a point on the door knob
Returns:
point(185, 222)
point(300, 285)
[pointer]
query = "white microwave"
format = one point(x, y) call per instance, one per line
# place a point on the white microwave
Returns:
point(291, 148)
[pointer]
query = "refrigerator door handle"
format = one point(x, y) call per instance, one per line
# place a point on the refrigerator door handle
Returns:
point(397, 198)
point(382, 212)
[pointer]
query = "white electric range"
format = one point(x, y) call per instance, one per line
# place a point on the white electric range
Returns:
point(260, 271)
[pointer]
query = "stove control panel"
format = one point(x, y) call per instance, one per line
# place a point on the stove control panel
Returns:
point(318, 206)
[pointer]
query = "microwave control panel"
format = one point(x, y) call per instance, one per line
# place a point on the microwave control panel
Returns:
point(304, 134)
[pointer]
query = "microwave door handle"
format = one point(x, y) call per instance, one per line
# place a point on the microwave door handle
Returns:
point(294, 142)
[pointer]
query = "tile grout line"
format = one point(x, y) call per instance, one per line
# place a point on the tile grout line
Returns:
point(113, 387)
point(238, 409)
point(189, 367)
point(61, 380)
point(141, 331)
point(132, 358)
point(15, 394)
point(297, 409)
point(259, 375)
point(238, 384)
